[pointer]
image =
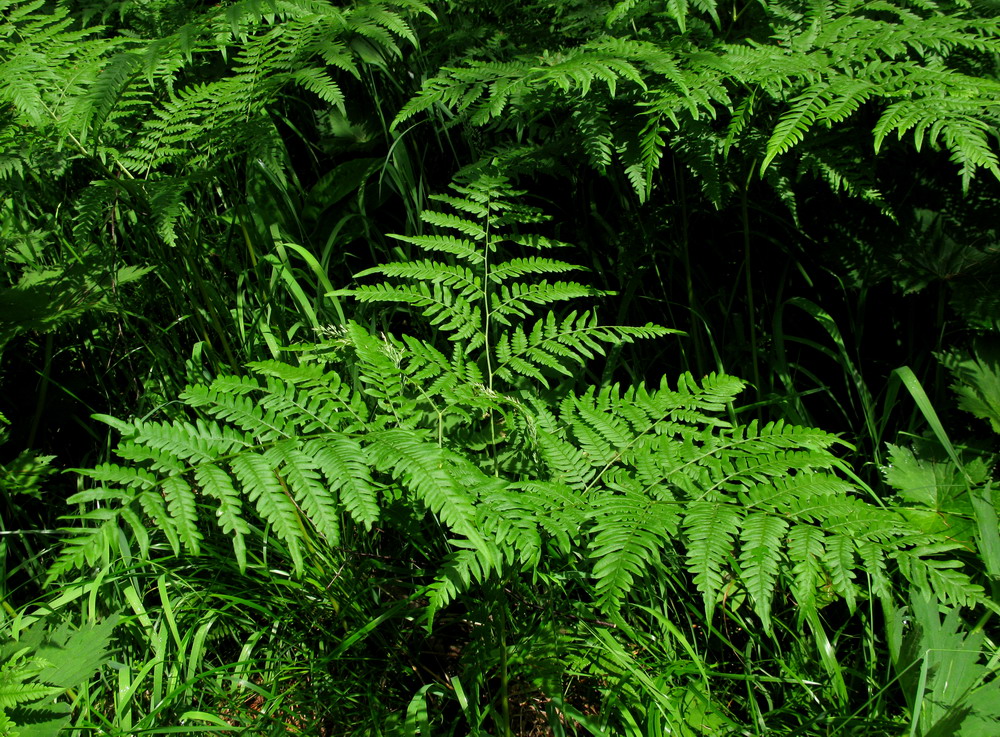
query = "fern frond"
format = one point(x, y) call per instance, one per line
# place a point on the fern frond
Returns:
point(441, 306)
point(203, 441)
point(89, 545)
point(460, 247)
point(555, 345)
point(300, 476)
point(182, 505)
point(422, 467)
point(793, 125)
point(807, 551)
point(319, 83)
point(630, 533)
point(262, 486)
point(710, 529)
point(468, 285)
point(838, 560)
point(514, 301)
point(568, 464)
point(464, 226)
point(532, 265)
point(761, 543)
point(218, 484)
point(342, 462)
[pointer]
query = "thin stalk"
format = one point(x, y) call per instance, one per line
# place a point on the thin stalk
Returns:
point(487, 348)
point(699, 358)
point(43, 391)
point(747, 272)
point(500, 612)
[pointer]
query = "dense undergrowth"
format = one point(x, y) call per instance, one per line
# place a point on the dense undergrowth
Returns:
point(371, 368)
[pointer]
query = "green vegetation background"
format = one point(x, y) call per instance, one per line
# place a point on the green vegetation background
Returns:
point(509, 368)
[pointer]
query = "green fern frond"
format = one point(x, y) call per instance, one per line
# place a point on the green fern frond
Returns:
point(567, 463)
point(807, 551)
point(218, 484)
point(467, 227)
point(300, 475)
point(319, 83)
point(423, 468)
point(761, 543)
point(342, 462)
point(710, 529)
point(273, 501)
point(630, 534)
point(199, 442)
point(182, 506)
point(532, 265)
point(460, 247)
point(793, 125)
point(469, 430)
point(839, 561)
point(555, 345)
point(103, 96)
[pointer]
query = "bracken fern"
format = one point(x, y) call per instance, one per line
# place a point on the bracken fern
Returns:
point(657, 75)
point(486, 431)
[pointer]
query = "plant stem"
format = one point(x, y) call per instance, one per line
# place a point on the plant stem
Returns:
point(500, 611)
point(751, 309)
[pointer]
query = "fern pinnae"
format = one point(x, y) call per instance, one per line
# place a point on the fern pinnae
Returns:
point(838, 560)
point(159, 461)
point(259, 482)
point(459, 247)
point(89, 545)
point(793, 124)
point(239, 409)
point(873, 559)
point(218, 484)
point(631, 531)
point(422, 467)
point(806, 550)
point(567, 464)
point(465, 226)
point(310, 411)
point(595, 448)
point(301, 478)
point(121, 475)
point(469, 286)
point(514, 300)
point(183, 440)
point(518, 267)
point(466, 204)
point(182, 505)
point(341, 461)
point(710, 529)
point(761, 544)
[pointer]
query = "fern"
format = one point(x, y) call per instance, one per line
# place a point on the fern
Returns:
point(42, 662)
point(483, 432)
point(627, 99)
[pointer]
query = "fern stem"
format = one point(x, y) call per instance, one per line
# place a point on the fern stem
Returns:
point(43, 392)
point(499, 606)
point(488, 349)
point(748, 280)
point(699, 358)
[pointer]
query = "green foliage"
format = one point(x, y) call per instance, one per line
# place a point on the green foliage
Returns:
point(977, 383)
point(46, 298)
point(130, 111)
point(948, 689)
point(519, 474)
point(160, 135)
point(653, 78)
point(41, 663)
point(459, 439)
